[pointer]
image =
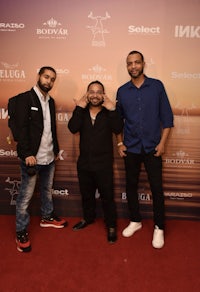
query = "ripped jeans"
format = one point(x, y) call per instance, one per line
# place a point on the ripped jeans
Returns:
point(27, 187)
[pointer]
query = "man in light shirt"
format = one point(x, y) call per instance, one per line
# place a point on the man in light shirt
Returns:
point(37, 148)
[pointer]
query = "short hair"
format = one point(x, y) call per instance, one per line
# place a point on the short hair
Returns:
point(137, 52)
point(96, 82)
point(41, 71)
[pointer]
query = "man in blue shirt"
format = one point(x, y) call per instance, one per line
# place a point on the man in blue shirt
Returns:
point(148, 118)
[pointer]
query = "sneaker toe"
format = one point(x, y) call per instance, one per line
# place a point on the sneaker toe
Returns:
point(131, 229)
point(158, 238)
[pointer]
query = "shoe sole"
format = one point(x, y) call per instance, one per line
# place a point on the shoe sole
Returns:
point(157, 247)
point(112, 241)
point(25, 249)
point(50, 225)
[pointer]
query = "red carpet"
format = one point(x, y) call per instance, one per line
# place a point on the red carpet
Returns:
point(65, 260)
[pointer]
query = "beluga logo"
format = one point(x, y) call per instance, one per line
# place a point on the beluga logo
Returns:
point(11, 72)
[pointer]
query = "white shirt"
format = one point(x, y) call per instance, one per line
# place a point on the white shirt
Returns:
point(45, 154)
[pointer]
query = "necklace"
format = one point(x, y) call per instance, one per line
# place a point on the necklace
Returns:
point(93, 118)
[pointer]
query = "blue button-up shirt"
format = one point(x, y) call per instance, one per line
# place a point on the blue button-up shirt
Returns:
point(146, 111)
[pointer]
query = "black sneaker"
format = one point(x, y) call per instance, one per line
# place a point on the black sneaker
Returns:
point(53, 221)
point(23, 242)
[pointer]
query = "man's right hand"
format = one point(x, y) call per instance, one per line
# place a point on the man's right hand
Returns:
point(82, 102)
point(30, 160)
point(122, 150)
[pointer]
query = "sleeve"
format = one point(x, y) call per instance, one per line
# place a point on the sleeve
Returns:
point(54, 125)
point(75, 121)
point(23, 114)
point(118, 104)
point(166, 116)
point(115, 121)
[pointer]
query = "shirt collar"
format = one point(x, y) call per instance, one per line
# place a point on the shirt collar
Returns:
point(146, 82)
point(40, 95)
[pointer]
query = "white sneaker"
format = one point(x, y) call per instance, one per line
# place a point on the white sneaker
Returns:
point(158, 238)
point(131, 228)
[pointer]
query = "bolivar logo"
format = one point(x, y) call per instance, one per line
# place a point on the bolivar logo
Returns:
point(52, 30)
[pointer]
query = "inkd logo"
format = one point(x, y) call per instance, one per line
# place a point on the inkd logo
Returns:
point(187, 31)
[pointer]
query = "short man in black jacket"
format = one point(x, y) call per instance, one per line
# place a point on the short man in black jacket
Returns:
point(96, 119)
point(37, 149)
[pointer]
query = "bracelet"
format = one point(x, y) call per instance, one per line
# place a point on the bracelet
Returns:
point(120, 144)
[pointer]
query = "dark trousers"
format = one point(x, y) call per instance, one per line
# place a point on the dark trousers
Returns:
point(102, 180)
point(153, 167)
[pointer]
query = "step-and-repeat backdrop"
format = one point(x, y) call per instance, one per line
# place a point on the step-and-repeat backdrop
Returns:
point(89, 40)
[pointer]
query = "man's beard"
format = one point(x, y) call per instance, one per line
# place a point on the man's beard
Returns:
point(139, 73)
point(42, 87)
point(95, 104)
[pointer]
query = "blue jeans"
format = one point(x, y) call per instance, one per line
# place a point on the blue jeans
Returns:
point(153, 167)
point(46, 176)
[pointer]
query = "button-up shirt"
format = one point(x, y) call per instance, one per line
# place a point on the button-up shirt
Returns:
point(96, 144)
point(45, 153)
point(146, 111)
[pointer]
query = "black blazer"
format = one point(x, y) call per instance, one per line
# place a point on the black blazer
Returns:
point(30, 123)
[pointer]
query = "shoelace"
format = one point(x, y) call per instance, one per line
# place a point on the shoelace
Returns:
point(23, 238)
